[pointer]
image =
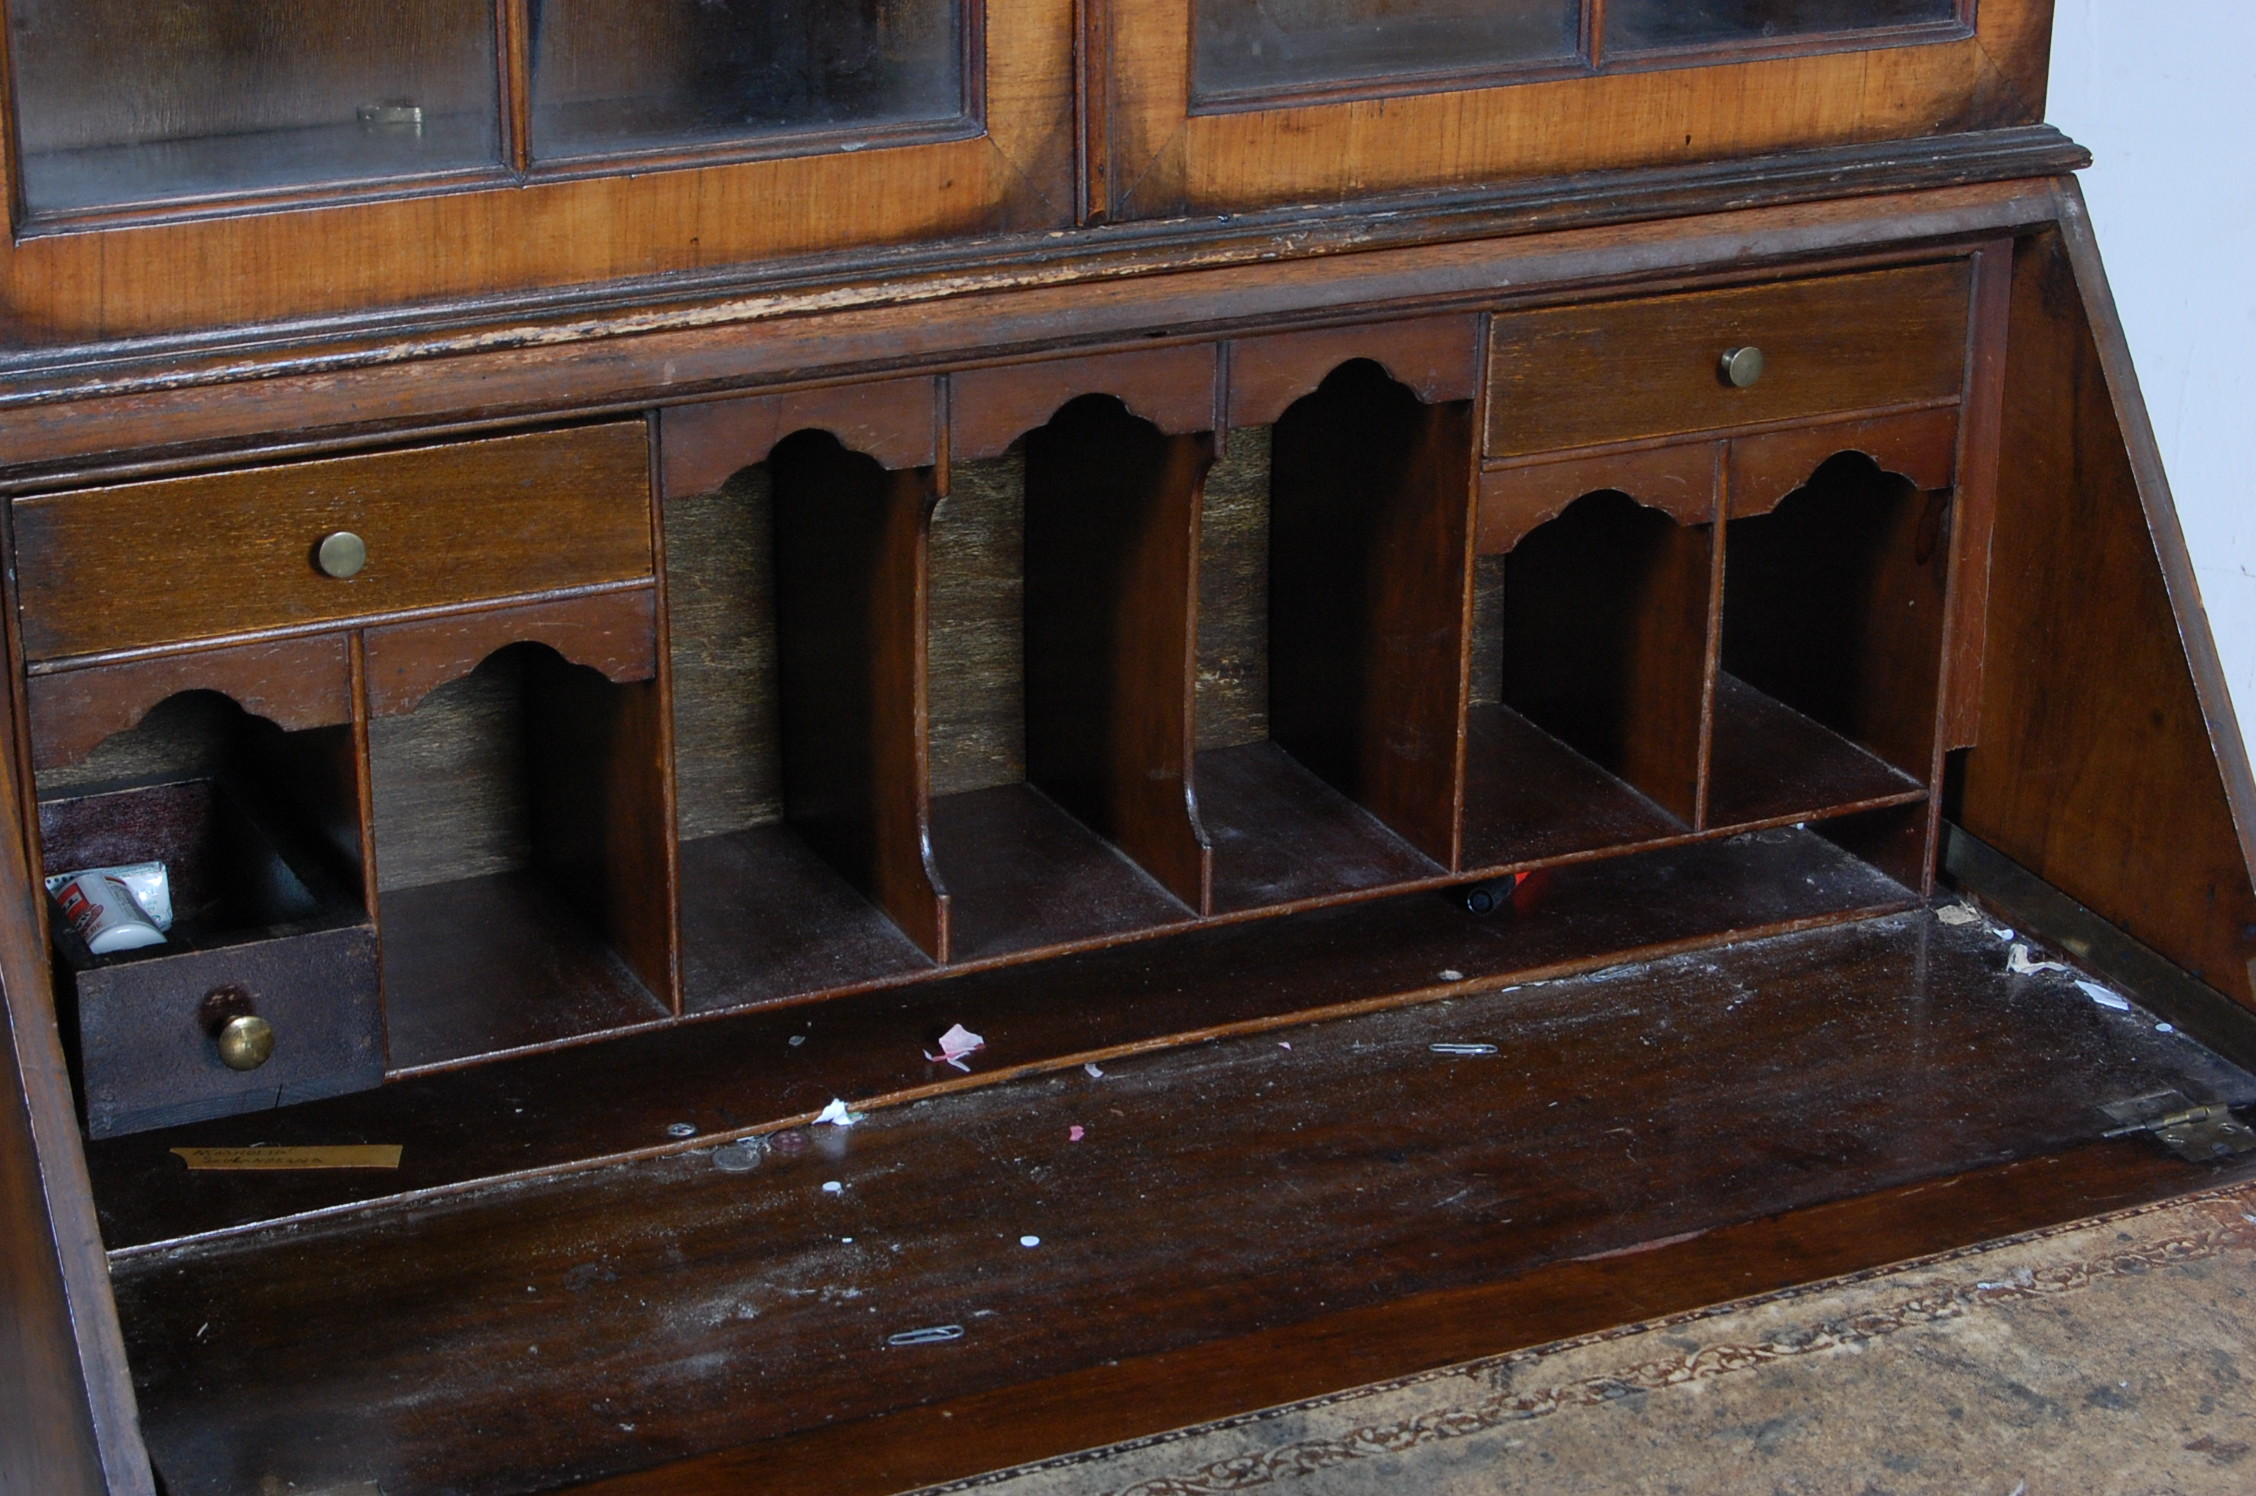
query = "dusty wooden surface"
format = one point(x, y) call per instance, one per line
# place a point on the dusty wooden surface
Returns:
point(508, 1340)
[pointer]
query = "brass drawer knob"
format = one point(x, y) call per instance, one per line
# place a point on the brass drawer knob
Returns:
point(341, 555)
point(1741, 367)
point(246, 1042)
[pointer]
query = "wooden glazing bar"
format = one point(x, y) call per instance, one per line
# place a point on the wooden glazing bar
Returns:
point(1111, 652)
point(1369, 544)
point(851, 604)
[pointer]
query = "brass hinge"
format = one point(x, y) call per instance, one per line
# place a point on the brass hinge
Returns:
point(2197, 1133)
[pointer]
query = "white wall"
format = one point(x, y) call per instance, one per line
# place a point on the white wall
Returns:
point(2163, 92)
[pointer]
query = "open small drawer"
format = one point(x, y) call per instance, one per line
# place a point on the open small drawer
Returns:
point(262, 939)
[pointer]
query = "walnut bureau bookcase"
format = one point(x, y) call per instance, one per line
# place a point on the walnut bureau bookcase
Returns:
point(636, 562)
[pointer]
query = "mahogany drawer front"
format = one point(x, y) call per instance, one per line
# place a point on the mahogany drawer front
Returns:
point(193, 558)
point(1581, 376)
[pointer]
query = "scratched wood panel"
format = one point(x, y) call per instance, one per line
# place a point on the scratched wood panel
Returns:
point(1488, 631)
point(450, 781)
point(978, 679)
point(720, 596)
point(183, 737)
point(1233, 632)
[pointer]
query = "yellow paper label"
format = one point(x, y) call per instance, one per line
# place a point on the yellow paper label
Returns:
point(332, 1156)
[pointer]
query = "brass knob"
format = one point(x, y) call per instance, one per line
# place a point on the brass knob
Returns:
point(1741, 367)
point(341, 555)
point(246, 1043)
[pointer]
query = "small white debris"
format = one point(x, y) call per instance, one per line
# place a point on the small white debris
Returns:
point(1096, 1072)
point(1281, 1044)
point(2018, 962)
point(1030, 1241)
point(833, 1187)
point(2000, 932)
point(847, 1240)
point(797, 1040)
point(954, 1045)
point(1959, 914)
point(2104, 997)
point(2165, 1028)
point(1453, 976)
point(837, 1114)
point(1462, 1049)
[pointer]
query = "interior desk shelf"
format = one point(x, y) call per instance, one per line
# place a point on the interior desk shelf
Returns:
point(637, 565)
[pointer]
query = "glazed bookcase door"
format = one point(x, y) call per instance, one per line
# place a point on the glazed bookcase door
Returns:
point(465, 148)
point(1212, 105)
point(133, 103)
point(617, 76)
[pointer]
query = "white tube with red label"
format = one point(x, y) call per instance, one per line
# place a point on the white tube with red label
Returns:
point(116, 908)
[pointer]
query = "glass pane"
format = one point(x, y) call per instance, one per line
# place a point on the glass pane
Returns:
point(135, 101)
point(1264, 45)
point(614, 75)
point(1634, 24)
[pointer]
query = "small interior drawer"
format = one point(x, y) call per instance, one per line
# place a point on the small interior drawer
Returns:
point(229, 553)
point(1580, 376)
point(261, 930)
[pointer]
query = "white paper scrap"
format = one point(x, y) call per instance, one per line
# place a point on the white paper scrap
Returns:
point(1095, 1071)
point(2104, 997)
point(2017, 961)
point(954, 1045)
point(837, 1114)
point(1958, 914)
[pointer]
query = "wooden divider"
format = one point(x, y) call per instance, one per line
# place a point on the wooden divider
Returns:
point(1112, 558)
point(850, 540)
point(1369, 566)
point(1606, 625)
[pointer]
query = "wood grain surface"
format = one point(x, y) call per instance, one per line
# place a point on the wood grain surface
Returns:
point(1162, 157)
point(1111, 641)
point(742, 1072)
point(1171, 387)
point(1833, 603)
point(1922, 446)
point(1438, 358)
point(1678, 479)
point(1370, 560)
point(851, 617)
point(612, 633)
point(1233, 604)
point(1008, 167)
point(689, 1303)
point(2098, 768)
point(69, 1423)
point(1835, 343)
point(509, 515)
point(1605, 642)
point(294, 683)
